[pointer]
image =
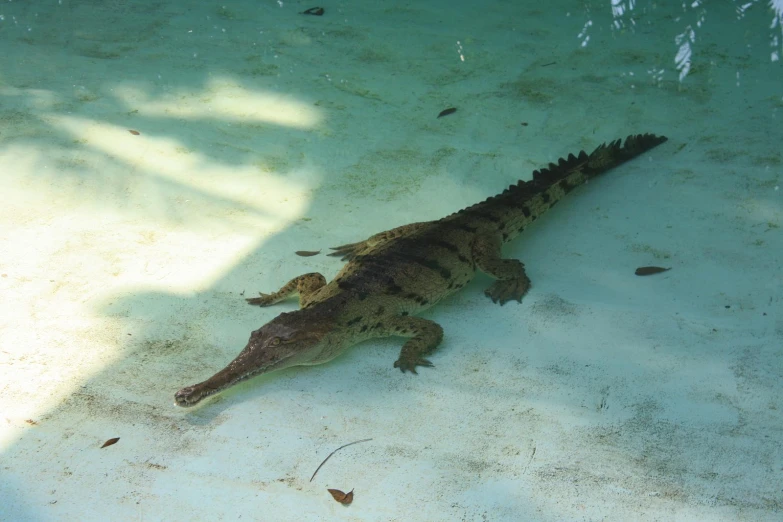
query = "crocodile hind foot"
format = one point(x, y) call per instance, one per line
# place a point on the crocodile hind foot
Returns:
point(509, 290)
point(351, 250)
point(511, 280)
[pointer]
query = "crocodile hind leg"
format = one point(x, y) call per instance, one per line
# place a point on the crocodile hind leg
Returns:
point(351, 250)
point(424, 336)
point(305, 285)
point(512, 281)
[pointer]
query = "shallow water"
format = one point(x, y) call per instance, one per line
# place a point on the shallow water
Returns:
point(159, 162)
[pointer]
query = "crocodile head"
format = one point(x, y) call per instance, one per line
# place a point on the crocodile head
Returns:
point(290, 339)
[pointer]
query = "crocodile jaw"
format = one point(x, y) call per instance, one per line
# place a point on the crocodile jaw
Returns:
point(192, 395)
point(237, 371)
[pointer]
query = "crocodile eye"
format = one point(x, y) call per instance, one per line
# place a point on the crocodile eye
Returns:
point(275, 341)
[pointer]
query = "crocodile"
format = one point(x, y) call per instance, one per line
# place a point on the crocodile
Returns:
point(395, 274)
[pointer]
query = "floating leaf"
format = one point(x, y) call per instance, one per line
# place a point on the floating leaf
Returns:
point(110, 442)
point(315, 11)
point(650, 270)
point(446, 112)
point(343, 498)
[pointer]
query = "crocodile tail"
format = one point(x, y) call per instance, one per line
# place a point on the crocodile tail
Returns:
point(603, 158)
point(521, 204)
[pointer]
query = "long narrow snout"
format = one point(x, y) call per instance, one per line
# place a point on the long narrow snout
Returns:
point(225, 378)
point(290, 339)
point(252, 361)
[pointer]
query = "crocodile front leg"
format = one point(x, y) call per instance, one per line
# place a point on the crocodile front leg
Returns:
point(425, 336)
point(305, 285)
point(512, 281)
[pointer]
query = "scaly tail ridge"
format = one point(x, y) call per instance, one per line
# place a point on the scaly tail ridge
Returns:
point(521, 204)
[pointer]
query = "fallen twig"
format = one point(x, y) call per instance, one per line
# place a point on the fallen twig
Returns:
point(335, 451)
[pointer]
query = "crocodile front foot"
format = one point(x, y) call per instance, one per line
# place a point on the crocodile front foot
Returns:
point(424, 336)
point(306, 285)
point(409, 364)
point(508, 290)
point(263, 300)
